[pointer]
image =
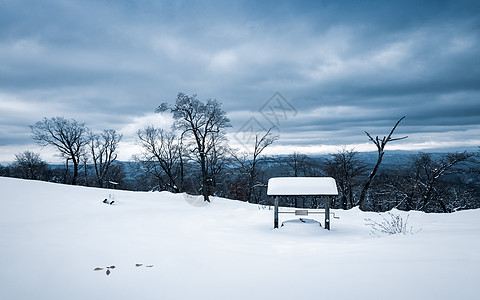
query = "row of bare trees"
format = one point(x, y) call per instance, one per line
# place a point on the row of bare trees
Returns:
point(444, 183)
point(77, 144)
point(196, 148)
point(193, 156)
point(425, 182)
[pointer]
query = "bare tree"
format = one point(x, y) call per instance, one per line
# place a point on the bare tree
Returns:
point(299, 165)
point(381, 151)
point(199, 121)
point(103, 149)
point(161, 156)
point(84, 159)
point(249, 161)
point(429, 172)
point(5, 171)
point(117, 173)
point(347, 169)
point(217, 161)
point(68, 136)
point(29, 165)
point(297, 162)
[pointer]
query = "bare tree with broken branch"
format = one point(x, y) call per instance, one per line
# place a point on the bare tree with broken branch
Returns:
point(248, 161)
point(380, 143)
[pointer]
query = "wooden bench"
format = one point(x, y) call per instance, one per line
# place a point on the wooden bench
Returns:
point(302, 186)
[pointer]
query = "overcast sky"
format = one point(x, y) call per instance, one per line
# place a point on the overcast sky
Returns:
point(339, 67)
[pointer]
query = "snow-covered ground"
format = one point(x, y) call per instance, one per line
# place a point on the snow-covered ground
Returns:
point(52, 237)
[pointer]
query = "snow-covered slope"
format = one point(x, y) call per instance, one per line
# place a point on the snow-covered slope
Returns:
point(52, 237)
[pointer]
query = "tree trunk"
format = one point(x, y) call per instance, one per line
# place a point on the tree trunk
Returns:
point(380, 146)
point(428, 195)
point(344, 201)
point(204, 178)
point(182, 185)
point(65, 177)
point(350, 196)
point(251, 179)
point(443, 206)
point(75, 172)
point(363, 195)
point(86, 175)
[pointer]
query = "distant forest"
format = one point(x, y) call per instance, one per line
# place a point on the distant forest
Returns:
point(430, 182)
point(194, 157)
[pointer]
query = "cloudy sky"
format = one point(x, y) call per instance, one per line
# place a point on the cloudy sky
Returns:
point(339, 67)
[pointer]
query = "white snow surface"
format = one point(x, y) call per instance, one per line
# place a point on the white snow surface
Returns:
point(299, 186)
point(53, 236)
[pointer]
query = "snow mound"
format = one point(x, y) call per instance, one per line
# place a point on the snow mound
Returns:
point(59, 241)
point(302, 226)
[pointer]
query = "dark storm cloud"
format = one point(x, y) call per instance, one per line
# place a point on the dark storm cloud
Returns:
point(346, 66)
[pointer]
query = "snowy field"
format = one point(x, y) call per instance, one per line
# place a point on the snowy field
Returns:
point(52, 237)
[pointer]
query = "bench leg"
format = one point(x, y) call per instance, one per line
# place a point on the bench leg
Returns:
point(275, 214)
point(327, 213)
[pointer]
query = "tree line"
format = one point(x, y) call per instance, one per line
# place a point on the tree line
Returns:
point(193, 156)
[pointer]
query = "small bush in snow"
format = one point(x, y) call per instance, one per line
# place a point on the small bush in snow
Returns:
point(393, 224)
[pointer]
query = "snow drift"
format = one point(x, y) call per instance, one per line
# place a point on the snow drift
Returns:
point(167, 246)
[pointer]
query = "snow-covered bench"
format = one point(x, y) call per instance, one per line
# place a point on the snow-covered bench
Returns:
point(303, 186)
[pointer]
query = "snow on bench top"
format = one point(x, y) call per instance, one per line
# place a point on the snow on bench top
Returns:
point(302, 186)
